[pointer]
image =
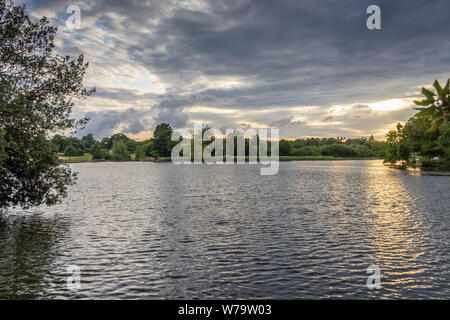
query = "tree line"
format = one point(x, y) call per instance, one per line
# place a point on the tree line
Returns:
point(119, 147)
point(337, 147)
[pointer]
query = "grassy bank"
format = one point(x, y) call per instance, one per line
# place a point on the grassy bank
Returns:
point(313, 158)
point(88, 158)
point(419, 166)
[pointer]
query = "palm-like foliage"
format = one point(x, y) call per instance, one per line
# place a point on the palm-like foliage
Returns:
point(437, 105)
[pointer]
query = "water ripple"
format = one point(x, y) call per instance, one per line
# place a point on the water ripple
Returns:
point(147, 230)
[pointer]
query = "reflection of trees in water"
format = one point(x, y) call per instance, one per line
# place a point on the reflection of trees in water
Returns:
point(28, 252)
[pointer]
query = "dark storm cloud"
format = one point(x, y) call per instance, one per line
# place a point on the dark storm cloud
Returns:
point(296, 39)
point(131, 120)
point(171, 108)
point(285, 53)
point(124, 95)
point(103, 124)
point(286, 122)
point(175, 119)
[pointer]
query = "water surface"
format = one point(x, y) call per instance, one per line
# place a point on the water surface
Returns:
point(157, 230)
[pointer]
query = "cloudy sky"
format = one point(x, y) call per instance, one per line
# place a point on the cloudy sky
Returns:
point(308, 67)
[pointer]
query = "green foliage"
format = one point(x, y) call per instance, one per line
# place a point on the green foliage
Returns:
point(155, 154)
point(123, 147)
point(120, 137)
point(307, 158)
point(392, 140)
point(284, 147)
point(107, 143)
point(327, 148)
point(120, 151)
point(98, 152)
point(362, 151)
point(162, 139)
point(338, 150)
point(88, 140)
point(148, 147)
point(72, 151)
point(2, 147)
point(60, 142)
point(337, 147)
point(37, 88)
point(426, 161)
point(437, 105)
point(398, 148)
point(443, 140)
point(306, 151)
point(131, 146)
point(416, 143)
point(140, 152)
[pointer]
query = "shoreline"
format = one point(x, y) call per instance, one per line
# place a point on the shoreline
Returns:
point(436, 167)
point(84, 159)
point(168, 159)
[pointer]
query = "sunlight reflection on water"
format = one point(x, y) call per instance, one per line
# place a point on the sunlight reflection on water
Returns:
point(156, 230)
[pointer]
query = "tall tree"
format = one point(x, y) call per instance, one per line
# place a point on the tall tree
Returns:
point(37, 88)
point(162, 139)
point(284, 148)
point(88, 140)
point(120, 151)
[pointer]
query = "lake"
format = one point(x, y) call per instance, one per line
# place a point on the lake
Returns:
point(141, 230)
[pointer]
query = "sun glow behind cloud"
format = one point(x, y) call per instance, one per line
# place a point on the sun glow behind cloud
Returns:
point(390, 104)
point(239, 65)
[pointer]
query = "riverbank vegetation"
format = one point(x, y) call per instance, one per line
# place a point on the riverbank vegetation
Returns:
point(425, 139)
point(119, 147)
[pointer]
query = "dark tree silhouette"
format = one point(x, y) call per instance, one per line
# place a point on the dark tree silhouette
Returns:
point(37, 87)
